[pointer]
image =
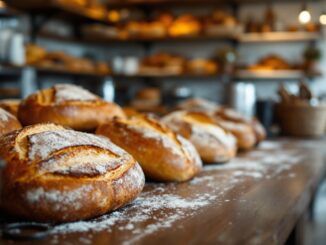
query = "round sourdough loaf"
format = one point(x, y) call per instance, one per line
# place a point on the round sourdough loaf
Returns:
point(67, 105)
point(53, 174)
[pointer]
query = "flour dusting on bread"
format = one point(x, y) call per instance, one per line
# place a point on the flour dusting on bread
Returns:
point(69, 92)
point(4, 115)
point(44, 143)
point(59, 200)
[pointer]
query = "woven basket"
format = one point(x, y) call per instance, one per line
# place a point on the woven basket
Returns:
point(302, 120)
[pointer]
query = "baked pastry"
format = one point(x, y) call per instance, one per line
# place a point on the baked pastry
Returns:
point(8, 122)
point(202, 66)
point(10, 105)
point(163, 155)
point(243, 132)
point(53, 174)
point(213, 143)
point(67, 105)
point(235, 117)
point(197, 104)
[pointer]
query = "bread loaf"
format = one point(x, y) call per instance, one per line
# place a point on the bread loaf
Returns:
point(67, 105)
point(213, 143)
point(10, 105)
point(163, 155)
point(53, 174)
point(235, 117)
point(8, 122)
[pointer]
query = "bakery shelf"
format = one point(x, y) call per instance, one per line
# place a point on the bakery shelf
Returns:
point(272, 75)
point(243, 38)
point(278, 37)
point(172, 3)
point(7, 70)
point(169, 76)
point(46, 7)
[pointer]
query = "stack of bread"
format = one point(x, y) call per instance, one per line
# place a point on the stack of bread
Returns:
point(54, 171)
point(58, 60)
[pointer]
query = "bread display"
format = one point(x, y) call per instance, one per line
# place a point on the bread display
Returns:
point(271, 62)
point(213, 143)
point(243, 132)
point(58, 60)
point(8, 122)
point(163, 155)
point(230, 115)
point(67, 105)
point(197, 104)
point(53, 174)
point(202, 67)
point(10, 105)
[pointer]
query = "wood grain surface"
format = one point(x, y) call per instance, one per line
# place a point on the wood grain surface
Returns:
point(255, 199)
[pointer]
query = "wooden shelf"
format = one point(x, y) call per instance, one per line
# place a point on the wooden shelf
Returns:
point(238, 75)
point(173, 3)
point(45, 7)
point(243, 38)
point(272, 75)
point(278, 37)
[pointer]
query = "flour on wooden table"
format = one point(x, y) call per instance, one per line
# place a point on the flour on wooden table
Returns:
point(167, 208)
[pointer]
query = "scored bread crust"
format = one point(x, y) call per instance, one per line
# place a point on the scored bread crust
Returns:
point(214, 144)
point(53, 174)
point(78, 113)
point(236, 119)
point(163, 155)
point(8, 122)
point(10, 105)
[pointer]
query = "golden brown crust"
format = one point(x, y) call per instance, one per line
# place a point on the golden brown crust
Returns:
point(8, 122)
point(10, 105)
point(213, 143)
point(162, 154)
point(57, 175)
point(77, 108)
point(236, 118)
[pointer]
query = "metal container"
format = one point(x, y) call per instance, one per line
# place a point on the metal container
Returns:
point(242, 97)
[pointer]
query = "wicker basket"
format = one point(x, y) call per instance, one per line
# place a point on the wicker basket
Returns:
point(302, 119)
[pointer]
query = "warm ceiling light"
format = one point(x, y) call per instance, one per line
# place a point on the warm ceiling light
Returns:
point(304, 15)
point(322, 18)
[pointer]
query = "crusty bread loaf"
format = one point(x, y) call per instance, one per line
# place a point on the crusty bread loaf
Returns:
point(8, 122)
point(230, 115)
point(230, 119)
point(67, 105)
point(213, 143)
point(197, 104)
point(163, 155)
point(53, 174)
point(10, 105)
point(243, 132)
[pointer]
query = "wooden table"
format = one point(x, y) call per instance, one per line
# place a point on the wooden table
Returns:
point(256, 199)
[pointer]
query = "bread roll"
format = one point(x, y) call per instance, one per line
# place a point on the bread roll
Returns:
point(197, 104)
point(235, 117)
point(163, 155)
point(53, 174)
point(243, 132)
point(8, 122)
point(213, 143)
point(10, 105)
point(67, 105)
